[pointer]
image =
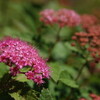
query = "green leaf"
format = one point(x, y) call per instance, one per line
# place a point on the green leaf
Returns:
point(16, 96)
point(60, 73)
point(67, 80)
point(21, 78)
point(45, 95)
point(31, 95)
point(3, 69)
point(68, 45)
point(55, 68)
point(60, 52)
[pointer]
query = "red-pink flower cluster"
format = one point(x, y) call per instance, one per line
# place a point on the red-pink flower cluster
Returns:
point(95, 29)
point(93, 97)
point(18, 54)
point(62, 17)
point(88, 20)
point(92, 39)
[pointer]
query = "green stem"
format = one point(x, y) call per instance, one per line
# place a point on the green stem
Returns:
point(80, 71)
point(77, 77)
point(58, 35)
point(57, 39)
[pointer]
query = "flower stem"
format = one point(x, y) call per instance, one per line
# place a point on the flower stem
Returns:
point(57, 39)
point(58, 35)
point(77, 77)
point(80, 71)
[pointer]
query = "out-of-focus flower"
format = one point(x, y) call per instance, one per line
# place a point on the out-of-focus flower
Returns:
point(18, 54)
point(92, 39)
point(81, 38)
point(48, 16)
point(95, 29)
point(88, 20)
point(67, 17)
point(93, 97)
point(62, 17)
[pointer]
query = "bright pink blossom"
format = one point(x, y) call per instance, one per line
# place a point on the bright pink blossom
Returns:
point(18, 54)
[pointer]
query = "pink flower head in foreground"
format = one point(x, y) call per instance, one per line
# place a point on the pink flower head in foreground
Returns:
point(18, 54)
point(48, 16)
point(62, 17)
point(67, 17)
point(88, 20)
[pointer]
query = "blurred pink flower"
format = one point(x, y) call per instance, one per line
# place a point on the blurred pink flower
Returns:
point(48, 16)
point(62, 17)
point(67, 17)
point(88, 20)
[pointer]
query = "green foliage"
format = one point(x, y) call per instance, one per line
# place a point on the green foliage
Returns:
point(29, 96)
point(67, 80)
point(16, 96)
point(60, 73)
point(3, 69)
point(55, 71)
point(60, 52)
point(45, 95)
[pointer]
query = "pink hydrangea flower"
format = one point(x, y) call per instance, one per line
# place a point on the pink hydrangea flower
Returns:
point(18, 54)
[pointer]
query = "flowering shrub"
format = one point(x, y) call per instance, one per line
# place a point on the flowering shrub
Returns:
point(69, 41)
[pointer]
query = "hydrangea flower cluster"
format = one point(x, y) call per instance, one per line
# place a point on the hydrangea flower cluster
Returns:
point(88, 20)
point(62, 17)
point(93, 97)
point(18, 54)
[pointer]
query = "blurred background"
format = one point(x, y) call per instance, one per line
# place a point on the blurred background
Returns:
point(20, 18)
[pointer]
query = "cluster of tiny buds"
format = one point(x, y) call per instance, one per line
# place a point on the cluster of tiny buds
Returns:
point(90, 39)
point(88, 20)
point(18, 54)
point(93, 97)
point(81, 38)
point(62, 17)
